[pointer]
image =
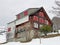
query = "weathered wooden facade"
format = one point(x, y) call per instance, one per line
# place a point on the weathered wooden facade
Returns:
point(30, 19)
point(56, 23)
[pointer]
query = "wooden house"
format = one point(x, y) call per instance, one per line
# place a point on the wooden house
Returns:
point(30, 19)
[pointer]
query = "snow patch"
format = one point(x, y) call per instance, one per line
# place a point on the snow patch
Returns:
point(44, 41)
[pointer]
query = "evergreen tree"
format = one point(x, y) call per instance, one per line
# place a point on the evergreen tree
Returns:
point(45, 29)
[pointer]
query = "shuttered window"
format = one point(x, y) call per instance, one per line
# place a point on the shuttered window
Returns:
point(9, 29)
point(35, 18)
point(41, 20)
point(25, 13)
point(41, 14)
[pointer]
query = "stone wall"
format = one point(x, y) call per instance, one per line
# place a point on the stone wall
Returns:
point(23, 28)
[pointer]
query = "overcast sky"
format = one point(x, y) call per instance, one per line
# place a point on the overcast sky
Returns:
point(9, 8)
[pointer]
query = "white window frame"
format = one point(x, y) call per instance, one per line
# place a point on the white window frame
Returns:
point(35, 25)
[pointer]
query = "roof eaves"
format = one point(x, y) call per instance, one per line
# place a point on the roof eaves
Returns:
point(12, 21)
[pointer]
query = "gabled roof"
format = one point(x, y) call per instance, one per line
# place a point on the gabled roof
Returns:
point(32, 11)
point(29, 10)
point(46, 15)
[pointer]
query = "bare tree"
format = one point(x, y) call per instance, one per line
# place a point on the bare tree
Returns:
point(56, 9)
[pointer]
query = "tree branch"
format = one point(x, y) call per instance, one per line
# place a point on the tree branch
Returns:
point(57, 8)
point(58, 3)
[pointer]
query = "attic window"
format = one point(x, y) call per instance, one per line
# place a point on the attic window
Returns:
point(18, 16)
point(41, 14)
point(35, 18)
point(25, 13)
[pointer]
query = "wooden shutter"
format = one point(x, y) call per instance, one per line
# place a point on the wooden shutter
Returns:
point(41, 20)
point(25, 13)
point(9, 29)
point(35, 18)
point(41, 14)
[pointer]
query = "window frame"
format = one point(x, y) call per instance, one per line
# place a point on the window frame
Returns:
point(35, 25)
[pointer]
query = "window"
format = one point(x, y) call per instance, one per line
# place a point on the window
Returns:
point(41, 14)
point(35, 25)
point(41, 20)
point(9, 29)
point(46, 22)
point(35, 18)
point(25, 13)
point(18, 16)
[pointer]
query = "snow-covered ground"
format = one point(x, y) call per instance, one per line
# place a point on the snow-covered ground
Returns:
point(3, 34)
point(44, 41)
point(3, 38)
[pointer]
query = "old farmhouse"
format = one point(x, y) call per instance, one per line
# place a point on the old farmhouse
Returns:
point(30, 19)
